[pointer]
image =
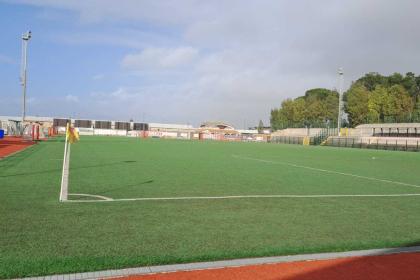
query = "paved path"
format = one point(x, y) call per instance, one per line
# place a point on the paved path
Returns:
point(403, 256)
point(386, 267)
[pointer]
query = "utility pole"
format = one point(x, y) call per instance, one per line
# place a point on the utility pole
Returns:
point(25, 39)
point(340, 97)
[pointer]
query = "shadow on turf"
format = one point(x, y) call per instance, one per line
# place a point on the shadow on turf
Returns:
point(72, 168)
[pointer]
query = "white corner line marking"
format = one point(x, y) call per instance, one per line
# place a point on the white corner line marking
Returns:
point(92, 195)
point(247, 196)
point(327, 171)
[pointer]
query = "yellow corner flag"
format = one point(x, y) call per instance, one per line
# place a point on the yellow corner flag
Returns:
point(72, 134)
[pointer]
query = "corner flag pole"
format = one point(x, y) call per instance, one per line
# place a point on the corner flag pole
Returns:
point(65, 173)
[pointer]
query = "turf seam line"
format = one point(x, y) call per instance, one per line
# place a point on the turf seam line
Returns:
point(328, 171)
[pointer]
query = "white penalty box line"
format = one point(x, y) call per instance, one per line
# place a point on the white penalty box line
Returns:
point(100, 198)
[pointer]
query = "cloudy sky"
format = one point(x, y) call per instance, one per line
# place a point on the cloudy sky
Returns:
point(188, 61)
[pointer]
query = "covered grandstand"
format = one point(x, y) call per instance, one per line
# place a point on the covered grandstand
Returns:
point(388, 136)
point(390, 129)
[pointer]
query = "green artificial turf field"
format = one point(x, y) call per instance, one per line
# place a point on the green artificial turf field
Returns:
point(40, 236)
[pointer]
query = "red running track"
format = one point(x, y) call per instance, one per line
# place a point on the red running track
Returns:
point(11, 144)
point(404, 266)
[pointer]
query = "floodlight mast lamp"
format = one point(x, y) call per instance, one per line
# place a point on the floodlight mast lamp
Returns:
point(340, 97)
point(25, 39)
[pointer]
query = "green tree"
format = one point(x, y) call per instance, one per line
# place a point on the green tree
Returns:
point(299, 114)
point(317, 94)
point(260, 127)
point(416, 110)
point(410, 84)
point(321, 105)
point(395, 79)
point(331, 103)
point(371, 80)
point(399, 106)
point(356, 106)
point(377, 104)
point(372, 98)
point(314, 108)
point(275, 119)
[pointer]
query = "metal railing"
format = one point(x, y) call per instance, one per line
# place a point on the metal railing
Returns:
point(320, 137)
point(298, 140)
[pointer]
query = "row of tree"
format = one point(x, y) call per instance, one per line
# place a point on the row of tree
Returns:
point(371, 99)
point(377, 99)
point(318, 107)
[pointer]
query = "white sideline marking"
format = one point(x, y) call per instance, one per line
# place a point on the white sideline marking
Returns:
point(92, 195)
point(245, 196)
point(327, 171)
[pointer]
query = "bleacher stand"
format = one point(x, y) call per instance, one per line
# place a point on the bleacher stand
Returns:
point(388, 136)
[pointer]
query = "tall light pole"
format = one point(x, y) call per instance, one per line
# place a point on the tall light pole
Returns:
point(25, 39)
point(340, 97)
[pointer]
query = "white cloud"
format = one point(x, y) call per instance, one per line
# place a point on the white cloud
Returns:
point(160, 58)
point(6, 60)
point(121, 94)
point(120, 37)
point(166, 11)
point(31, 100)
point(98, 77)
point(71, 98)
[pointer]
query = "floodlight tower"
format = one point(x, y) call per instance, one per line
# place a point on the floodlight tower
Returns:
point(340, 97)
point(25, 39)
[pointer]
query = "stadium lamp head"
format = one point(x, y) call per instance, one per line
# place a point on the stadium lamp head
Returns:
point(26, 36)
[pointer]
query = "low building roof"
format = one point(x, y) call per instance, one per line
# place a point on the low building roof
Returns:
point(217, 125)
point(248, 131)
point(27, 118)
point(170, 125)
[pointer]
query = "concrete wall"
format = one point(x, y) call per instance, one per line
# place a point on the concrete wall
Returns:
point(86, 131)
point(110, 132)
point(390, 140)
point(297, 132)
point(398, 141)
